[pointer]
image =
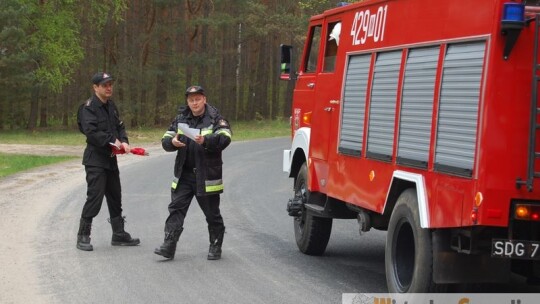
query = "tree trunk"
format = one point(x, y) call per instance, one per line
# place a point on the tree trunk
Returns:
point(34, 106)
point(65, 106)
point(238, 84)
point(228, 90)
point(163, 69)
point(262, 102)
point(204, 69)
point(43, 113)
point(274, 63)
point(2, 114)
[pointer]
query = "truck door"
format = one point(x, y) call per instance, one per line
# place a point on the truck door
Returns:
point(328, 93)
point(304, 92)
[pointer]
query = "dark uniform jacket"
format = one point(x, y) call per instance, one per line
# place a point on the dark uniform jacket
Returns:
point(102, 126)
point(206, 158)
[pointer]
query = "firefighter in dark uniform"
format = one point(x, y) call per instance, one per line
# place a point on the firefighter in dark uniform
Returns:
point(99, 120)
point(197, 170)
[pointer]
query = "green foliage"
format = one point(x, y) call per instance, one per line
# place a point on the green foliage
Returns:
point(13, 41)
point(41, 42)
point(43, 37)
point(14, 74)
point(262, 20)
point(10, 163)
point(50, 48)
point(313, 7)
point(101, 11)
point(54, 43)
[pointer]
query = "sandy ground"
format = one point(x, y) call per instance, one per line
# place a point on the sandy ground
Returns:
point(24, 199)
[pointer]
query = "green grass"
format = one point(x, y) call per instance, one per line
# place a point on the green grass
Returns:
point(12, 163)
point(43, 137)
point(260, 129)
point(241, 131)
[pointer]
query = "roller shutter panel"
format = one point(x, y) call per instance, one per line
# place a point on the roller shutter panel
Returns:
point(417, 107)
point(458, 108)
point(383, 105)
point(354, 105)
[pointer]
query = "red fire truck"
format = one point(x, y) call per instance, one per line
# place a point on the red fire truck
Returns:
point(421, 118)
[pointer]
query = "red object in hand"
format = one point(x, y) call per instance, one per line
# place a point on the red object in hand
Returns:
point(136, 151)
point(139, 151)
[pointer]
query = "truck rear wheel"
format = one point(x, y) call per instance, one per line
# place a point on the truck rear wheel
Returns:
point(408, 254)
point(311, 232)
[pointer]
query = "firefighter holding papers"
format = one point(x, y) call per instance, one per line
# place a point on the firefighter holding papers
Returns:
point(197, 170)
point(99, 120)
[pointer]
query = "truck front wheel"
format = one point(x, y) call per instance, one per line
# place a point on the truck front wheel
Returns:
point(311, 232)
point(408, 254)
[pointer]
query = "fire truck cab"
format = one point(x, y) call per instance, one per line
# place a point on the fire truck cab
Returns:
point(421, 119)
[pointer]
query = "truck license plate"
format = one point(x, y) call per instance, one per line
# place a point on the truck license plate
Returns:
point(515, 249)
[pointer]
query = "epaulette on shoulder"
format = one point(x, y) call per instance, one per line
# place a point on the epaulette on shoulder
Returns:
point(88, 102)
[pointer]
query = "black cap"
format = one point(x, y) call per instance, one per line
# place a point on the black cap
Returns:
point(101, 78)
point(194, 90)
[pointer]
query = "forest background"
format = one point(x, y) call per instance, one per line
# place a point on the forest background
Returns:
point(155, 49)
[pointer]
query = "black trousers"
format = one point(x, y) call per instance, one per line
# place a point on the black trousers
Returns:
point(102, 183)
point(181, 199)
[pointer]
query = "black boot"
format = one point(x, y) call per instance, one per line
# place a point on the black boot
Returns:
point(168, 248)
point(83, 236)
point(119, 236)
point(216, 239)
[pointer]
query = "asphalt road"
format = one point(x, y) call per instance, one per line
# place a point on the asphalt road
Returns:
point(39, 219)
point(260, 262)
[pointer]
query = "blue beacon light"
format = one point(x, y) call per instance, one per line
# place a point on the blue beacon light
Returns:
point(513, 21)
point(513, 12)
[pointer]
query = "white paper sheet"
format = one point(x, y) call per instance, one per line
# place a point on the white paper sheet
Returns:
point(189, 132)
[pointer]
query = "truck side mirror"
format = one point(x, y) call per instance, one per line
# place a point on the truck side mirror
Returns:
point(286, 62)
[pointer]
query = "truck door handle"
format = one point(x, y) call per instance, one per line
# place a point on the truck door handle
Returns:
point(311, 85)
point(328, 109)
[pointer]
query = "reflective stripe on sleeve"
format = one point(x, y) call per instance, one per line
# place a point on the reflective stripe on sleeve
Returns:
point(169, 134)
point(225, 132)
point(206, 132)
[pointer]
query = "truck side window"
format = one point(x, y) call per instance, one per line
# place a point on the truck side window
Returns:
point(310, 65)
point(332, 43)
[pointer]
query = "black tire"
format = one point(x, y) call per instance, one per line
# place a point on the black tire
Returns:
point(311, 232)
point(409, 253)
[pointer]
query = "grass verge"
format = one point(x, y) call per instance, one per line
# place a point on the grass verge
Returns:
point(12, 163)
point(241, 131)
